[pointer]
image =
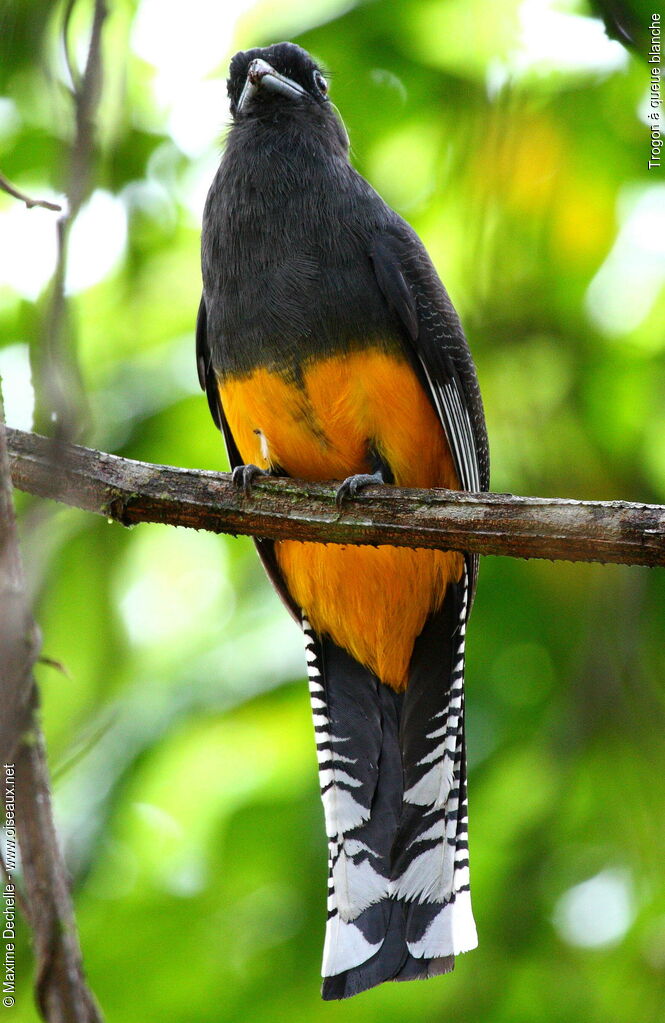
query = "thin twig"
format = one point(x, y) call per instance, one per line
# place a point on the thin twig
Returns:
point(60, 398)
point(51, 662)
point(522, 527)
point(6, 186)
point(87, 91)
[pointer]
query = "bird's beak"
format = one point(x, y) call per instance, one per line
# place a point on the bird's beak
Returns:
point(260, 75)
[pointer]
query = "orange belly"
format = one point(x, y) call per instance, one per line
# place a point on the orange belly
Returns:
point(373, 602)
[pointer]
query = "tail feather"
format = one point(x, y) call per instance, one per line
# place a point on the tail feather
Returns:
point(430, 855)
point(393, 784)
point(355, 724)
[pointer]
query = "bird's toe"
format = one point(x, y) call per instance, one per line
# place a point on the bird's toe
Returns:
point(352, 485)
point(243, 476)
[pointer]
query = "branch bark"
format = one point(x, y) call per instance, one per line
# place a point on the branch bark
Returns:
point(524, 527)
point(60, 987)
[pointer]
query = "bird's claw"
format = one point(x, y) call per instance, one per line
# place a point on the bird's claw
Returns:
point(243, 476)
point(352, 485)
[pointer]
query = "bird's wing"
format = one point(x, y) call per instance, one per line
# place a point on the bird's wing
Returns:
point(209, 383)
point(438, 349)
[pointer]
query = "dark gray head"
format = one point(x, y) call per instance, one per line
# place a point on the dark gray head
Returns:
point(281, 83)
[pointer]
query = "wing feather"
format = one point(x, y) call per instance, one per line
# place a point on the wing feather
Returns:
point(437, 343)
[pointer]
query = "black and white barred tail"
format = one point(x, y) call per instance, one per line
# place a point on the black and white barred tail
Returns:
point(393, 783)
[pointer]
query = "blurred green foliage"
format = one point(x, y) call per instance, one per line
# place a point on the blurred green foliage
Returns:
point(511, 134)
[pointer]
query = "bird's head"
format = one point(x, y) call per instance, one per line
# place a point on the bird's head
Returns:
point(282, 81)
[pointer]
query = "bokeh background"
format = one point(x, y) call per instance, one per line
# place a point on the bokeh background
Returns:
point(512, 134)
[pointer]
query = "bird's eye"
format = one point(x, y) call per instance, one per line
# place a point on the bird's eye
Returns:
point(320, 83)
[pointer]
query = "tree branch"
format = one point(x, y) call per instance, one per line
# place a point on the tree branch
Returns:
point(61, 990)
point(523, 527)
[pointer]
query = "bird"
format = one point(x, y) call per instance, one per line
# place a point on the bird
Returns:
point(329, 349)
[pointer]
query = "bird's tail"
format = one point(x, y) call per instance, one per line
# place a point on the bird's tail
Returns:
point(393, 785)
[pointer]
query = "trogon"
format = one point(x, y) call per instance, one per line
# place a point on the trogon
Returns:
point(330, 350)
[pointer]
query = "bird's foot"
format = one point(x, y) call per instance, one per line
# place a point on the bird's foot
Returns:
point(243, 476)
point(353, 484)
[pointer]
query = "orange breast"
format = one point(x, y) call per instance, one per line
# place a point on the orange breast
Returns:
point(371, 601)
